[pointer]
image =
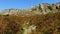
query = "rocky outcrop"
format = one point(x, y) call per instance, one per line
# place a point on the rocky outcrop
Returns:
point(43, 8)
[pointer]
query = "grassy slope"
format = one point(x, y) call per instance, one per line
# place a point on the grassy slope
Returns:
point(46, 24)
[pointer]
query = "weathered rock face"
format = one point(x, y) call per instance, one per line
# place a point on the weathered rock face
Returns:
point(10, 12)
point(40, 9)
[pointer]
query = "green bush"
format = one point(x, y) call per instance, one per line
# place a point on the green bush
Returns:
point(49, 7)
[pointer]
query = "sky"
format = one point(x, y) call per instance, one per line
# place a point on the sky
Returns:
point(18, 4)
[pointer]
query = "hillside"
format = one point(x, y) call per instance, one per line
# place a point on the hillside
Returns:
point(43, 8)
point(41, 19)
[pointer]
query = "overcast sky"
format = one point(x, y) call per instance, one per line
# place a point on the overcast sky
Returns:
point(6, 4)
